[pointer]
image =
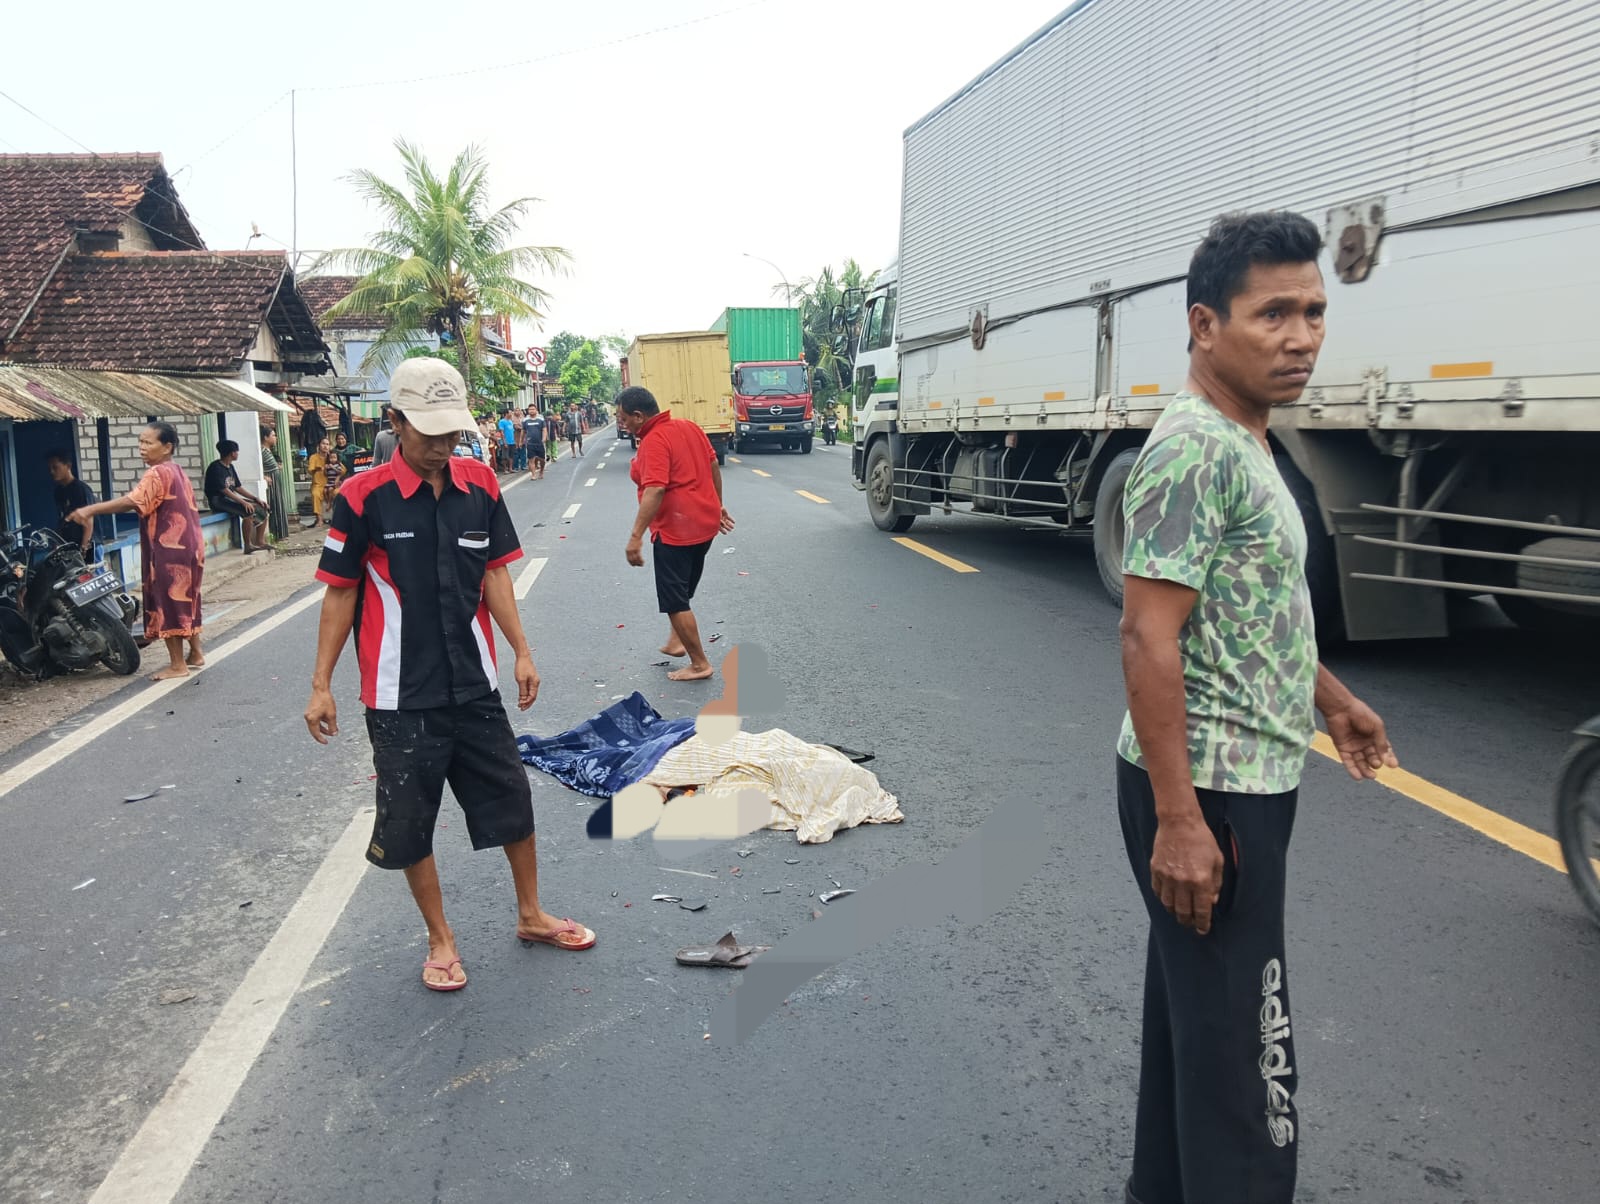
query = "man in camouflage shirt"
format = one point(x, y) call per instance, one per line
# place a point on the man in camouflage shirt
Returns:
point(1220, 658)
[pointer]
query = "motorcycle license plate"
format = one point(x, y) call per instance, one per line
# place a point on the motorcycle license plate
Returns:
point(776, 426)
point(96, 587)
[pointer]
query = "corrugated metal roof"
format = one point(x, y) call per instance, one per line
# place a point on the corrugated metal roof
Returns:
point(29, 392)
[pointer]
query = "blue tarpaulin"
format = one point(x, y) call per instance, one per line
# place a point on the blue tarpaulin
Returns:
point(614, 749)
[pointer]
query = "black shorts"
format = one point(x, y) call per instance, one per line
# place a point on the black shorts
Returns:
point(226, 505)
point(678, 569)
point(471, 747)
point(536, 451)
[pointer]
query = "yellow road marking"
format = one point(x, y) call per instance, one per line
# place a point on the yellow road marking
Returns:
point(1464, 811)
point(813, 498)
point(759, 473)
point(923, 549)
point(735, 460)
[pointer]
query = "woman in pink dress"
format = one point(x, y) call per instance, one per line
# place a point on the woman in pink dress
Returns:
point(170, 546)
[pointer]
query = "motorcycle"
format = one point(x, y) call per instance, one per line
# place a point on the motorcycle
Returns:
point(1578, 814)
point(58, 612)
point(830, 430)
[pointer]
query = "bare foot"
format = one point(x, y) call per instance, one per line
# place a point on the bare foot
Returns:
point(170, 672)
point(444, 953)
point(692, 673)
point(197, 657)
point(674, 650)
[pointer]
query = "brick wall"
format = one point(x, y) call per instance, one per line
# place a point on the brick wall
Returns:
point(126, 467)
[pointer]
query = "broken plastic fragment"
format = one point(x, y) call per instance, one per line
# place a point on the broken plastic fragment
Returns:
point(140, 796)
point(693, 905)
point(791, 861)
point(178, 996)
point(729, 551)
point(666, 898)
point(714, 638)
point(828, 896)
point(773, 890)
point(84, 883)
point(742, 573)
point(747, 852)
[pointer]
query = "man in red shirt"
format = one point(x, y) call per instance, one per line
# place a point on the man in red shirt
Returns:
point(415, 562)
point(680, 501)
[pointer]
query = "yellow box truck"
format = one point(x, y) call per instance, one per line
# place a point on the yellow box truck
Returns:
point(691, 376)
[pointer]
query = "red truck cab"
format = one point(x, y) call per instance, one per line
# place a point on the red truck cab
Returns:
point(772, 405)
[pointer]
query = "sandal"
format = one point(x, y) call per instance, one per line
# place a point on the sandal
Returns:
point(451, 985)
point(585, 937)
point(726, 954)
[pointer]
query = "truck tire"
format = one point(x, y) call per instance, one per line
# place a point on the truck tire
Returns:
point(1110, 528)
point(805, 446)
point(1322, 557)
point(881, 505)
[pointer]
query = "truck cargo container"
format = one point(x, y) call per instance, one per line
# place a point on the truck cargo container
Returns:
point(688, 374)
point(1012, 359)
point(771, 382)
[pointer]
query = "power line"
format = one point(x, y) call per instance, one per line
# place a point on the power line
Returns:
point(42, 121)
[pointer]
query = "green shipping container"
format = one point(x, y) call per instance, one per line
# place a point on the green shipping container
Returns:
point(761, 335)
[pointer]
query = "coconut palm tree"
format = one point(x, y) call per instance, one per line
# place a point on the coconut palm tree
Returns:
point(441, 256)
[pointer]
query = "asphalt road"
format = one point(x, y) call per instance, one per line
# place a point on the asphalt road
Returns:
point(1444, 986)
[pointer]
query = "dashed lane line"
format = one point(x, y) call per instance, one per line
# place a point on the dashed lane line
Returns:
point(811, 497)
point(922, 549)
point(529, 575)
point(759, 473)
point(735, 460)
point(572, 510)
point(589, 484)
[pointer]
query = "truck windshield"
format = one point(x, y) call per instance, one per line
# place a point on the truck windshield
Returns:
point(783, 380)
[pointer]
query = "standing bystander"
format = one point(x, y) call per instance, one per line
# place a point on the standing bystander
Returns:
point(533, 440)
point(680, 504)
point(426, 538)
point(71, 494)
point(1220, 659)
point(575, 430)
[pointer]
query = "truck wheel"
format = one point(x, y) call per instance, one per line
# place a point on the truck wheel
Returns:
point(881, 505)
point(1110, 528)
point(1322, 557)
point(805, 446)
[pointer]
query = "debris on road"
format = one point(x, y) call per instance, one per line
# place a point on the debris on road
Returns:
point(84, 883)
point(178, 996)
point(246, 903)
point(791, 861)
point(140, 796)
point(714, 638)
point(667, 869)
point(729, 551)
point(773, 890)
point(666, 898)
point(726, 954)
point(747, 852)
point(693, 905)
point(828, 896)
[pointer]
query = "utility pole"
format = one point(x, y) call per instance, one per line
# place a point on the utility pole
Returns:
point(294, 189)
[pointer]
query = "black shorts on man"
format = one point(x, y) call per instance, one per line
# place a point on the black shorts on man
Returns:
point(223, 504)
point(469, 745)
point(678, 569)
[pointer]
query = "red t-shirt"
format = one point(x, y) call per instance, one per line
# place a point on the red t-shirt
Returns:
point(675, 455)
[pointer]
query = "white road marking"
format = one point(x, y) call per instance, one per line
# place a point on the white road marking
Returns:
point(93, 730)
point(599, 466)
point(589, 484)
point(508, 488)
point(572, 510)
point(529, 575)
point(152, 1167)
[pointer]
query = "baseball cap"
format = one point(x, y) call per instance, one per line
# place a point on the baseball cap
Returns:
point(432, 396)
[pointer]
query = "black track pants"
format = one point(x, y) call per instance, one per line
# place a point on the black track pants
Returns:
point(1217, 1074)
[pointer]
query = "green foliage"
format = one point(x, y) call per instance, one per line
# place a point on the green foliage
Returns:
point(441, 256)
point(828, 350)
point(581, 373)
point(557, 350)
point(608, 350)
point(494, 386)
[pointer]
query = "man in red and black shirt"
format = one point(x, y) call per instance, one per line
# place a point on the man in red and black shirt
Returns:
point(415, 561)
point(680, 501)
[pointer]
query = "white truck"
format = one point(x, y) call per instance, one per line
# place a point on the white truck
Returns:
point(1011, 360)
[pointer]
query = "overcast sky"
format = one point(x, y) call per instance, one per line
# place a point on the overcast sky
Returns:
point(662, 155)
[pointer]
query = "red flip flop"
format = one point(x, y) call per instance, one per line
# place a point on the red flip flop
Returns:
point(446, 967)
point(567, 926)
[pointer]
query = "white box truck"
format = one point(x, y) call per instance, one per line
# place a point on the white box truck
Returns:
point(1012, 359)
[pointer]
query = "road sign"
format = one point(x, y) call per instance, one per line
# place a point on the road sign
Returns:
point(534, 358)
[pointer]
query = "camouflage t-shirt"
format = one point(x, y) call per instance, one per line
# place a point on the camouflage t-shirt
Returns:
point(1207, 508)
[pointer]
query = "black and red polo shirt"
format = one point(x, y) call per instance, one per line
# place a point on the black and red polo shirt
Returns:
point(422, 623)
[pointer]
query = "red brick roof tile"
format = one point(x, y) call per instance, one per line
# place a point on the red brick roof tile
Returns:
point(323, 292)
point(45, 198)
point(195, 311)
